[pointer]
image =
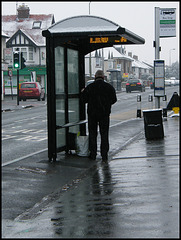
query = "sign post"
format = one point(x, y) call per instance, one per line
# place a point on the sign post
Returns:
point(159, 77)
point(17, 86)
point(165, 26)
point(157, 48)
point(10, 74)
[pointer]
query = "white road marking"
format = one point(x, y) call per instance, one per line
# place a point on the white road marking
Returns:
point(7, 137)
point(23, 138)
point(21, 158)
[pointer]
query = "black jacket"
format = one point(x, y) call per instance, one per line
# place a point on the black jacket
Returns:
point(99, 95)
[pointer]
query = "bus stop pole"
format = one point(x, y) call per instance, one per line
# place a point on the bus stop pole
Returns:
point(157, 46)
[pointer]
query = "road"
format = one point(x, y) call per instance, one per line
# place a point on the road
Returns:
point(24, 132)
point(126, 107)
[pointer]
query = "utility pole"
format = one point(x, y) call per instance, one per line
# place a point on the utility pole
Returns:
point(170, 62)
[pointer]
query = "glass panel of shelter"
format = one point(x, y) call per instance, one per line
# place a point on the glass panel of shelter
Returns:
point(61, 93)
point(60, 96)
point(73, 88)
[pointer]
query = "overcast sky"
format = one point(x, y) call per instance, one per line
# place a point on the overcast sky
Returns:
point(138, 17)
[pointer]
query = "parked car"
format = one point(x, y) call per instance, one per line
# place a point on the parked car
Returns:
point(177, 82)
point(135, 85)
point(168, 82)
point(31, 90)
point(91, 81)
point(174, 81)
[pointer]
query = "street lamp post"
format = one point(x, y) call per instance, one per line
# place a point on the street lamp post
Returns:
point(170, 62)
point(89, 7)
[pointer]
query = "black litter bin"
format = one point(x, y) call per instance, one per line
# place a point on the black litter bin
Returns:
point(153, 124)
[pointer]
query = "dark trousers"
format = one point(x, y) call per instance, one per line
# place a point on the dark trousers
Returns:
point(104, 132)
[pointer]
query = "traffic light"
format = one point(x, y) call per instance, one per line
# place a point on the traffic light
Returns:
point(22, 61)
point(16, 60)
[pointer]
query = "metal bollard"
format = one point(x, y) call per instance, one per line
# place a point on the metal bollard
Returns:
point(165, 107)
point(139, 105)
point(150, 100)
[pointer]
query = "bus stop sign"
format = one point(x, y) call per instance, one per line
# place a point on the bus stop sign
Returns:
point(159, 76)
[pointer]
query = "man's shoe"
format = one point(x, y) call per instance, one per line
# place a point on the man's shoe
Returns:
point(105, 159)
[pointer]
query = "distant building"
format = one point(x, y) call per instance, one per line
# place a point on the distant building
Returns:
point(114, 58)
point(25, 35)
point(142, 71)
point(117, 65)
point(4, 64)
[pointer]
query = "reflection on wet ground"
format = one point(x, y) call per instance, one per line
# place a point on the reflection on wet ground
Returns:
point(124, 199)
point(88, 208)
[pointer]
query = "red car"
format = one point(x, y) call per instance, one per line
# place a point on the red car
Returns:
point(31, 90)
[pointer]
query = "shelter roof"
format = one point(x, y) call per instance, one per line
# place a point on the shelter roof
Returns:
point(91, 33)
point(83, 23)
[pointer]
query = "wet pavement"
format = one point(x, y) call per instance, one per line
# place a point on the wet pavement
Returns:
point(9, 104)
point(134, 195)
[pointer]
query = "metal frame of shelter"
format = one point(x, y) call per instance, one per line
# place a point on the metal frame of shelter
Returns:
point(67, 43)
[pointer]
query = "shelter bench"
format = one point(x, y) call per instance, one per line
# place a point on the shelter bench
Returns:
point(71, 136)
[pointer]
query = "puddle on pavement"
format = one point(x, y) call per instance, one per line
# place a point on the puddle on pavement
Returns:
point(88, 208)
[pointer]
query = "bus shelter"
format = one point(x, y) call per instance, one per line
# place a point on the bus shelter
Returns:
point(115, 78)
point(67, 43)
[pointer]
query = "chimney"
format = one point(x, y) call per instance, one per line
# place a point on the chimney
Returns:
point(130, 54)
point(23, 11)
point(135, 57)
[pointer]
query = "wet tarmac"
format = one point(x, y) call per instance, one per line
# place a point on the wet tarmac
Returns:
point(134, 195)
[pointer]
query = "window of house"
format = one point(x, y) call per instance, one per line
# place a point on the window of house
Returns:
point(24, 51)
point(37, 24)
point(30, 53)
point(27, 52)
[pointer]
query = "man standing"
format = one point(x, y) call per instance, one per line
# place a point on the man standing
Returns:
point(99, 95)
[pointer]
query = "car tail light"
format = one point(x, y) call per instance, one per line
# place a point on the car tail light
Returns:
point(138, 83)
point(127, 84)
